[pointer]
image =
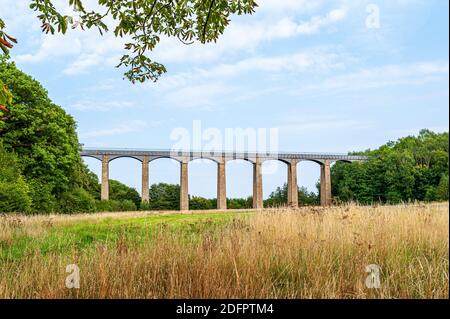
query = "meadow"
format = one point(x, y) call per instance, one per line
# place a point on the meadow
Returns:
point(276, 253)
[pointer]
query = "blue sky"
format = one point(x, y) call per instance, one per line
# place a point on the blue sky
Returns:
point(313, 69)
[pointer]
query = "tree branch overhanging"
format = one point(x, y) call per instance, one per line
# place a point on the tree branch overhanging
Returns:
point(187, 20)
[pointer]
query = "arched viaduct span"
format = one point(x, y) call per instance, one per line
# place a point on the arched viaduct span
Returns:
point(221, 158)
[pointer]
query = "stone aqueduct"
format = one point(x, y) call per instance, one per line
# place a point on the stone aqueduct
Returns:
point(221, 158)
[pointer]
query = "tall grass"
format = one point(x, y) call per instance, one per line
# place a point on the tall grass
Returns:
point(282, 253)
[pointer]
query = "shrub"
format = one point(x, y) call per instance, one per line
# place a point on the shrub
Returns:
point(14, 197)
point(43, 201)
point(127, 205)
point(240, 203)
point(122, 192)
point(430, 194)
point(197, 202)
point(164, 196)
point(114, 205)
point(442, 189)
point(77, 201)
point(14, 191)
point(145, 206)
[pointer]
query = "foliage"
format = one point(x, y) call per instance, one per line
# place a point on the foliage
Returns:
point(164, 196)
point(279, 197)
point(77, 200)
point(6, 42)
point(439, 192)
point(145, 206)
point(43, 200)
point(14, 192)
point(240, 203)
point(409, 169)
point(90, 183)
point(167, 197)
point(198, 203)
point(5, 102)
point(143, 22)
point(14, 197)
point(6, 97)
point(41, 133)
point(43, 136)
point(442, 189)
point(121, 192)
point(115, 205)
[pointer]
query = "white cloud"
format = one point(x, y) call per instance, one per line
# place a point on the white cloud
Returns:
point(288, 6)
point(52, 46)
point(133, 126)
point(311, 60)
point(200, 96)
point(378, 77)
point(246, 36)
point(88, 48)
point(314, 72)
point(91, 105)
point(97, 51)
point(17, 15)
point(301, 124)
point(316, 23)
point(276, 21)
point(317, 60)
point(83, 50)
point(206, 87)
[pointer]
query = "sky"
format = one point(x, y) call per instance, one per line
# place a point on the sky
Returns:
point(327, 76)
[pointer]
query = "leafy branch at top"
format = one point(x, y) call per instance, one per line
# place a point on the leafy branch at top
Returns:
point(6, 41)
point(144, 22)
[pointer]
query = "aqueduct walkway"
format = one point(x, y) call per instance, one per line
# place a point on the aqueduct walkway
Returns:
point(221, 158)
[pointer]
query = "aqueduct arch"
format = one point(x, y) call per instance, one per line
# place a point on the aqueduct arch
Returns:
point(221, 158)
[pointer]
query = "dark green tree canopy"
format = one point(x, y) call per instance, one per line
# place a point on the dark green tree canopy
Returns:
point(41, 133)
point(14, 192)
point(164, 196)
point(411, 168)
point(121, 192)
point(279, 197)
point(44, 138)
point(144, 21)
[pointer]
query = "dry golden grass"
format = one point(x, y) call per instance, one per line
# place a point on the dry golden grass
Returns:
point(282, 253)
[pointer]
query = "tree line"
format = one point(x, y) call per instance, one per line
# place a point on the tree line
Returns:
point(413, 168)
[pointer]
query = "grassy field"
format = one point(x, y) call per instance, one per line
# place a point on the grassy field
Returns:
point(282, 253)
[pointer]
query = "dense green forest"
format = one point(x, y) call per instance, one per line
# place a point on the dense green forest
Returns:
point(41, 170)
point(413, 168)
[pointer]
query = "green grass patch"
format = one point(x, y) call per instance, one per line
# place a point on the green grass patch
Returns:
point(83, 235)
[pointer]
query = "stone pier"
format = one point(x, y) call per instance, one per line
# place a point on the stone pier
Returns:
point(292, 186)
point(184, 192)
point(105, 178)
point(221, 185)
point(257, 185)
point(325, 184)
point(145, 179)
